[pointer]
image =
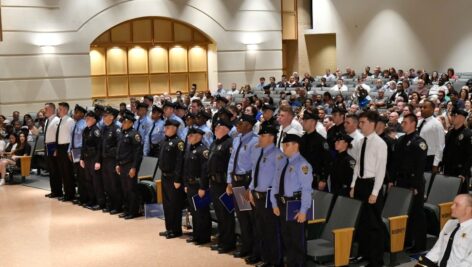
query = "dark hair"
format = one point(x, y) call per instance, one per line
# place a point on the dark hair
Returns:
point(52, 105)
point(412, 118)
point(64, 105)
point(370, 115)
point(429, 101)
point(352, 116)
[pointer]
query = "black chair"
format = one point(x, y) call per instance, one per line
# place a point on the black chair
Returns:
point(336, 239)
point(438, 205)
point(429, 178)
point(322, 204)
point(147, 168)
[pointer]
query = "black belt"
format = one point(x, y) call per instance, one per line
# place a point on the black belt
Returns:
point(282, 200)
point(193, 181)
point(123, 162)
point(241, 177)
point(259, 195)
point(366, 179)
point(167, 173)
point(218, 178)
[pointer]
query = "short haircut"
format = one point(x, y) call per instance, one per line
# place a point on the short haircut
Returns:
point(287, 109)
point(353, 117)
point(52, 105)
point(411, 117)
point(122, 104)
point(429, 101)
point(370, 115)
point(198, 102)
point(64, 105)
point(149, 97)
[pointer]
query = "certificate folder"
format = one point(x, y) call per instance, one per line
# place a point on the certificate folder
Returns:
point(227, 201)
point(240, 195)
point(293, 207)
point(201, 202)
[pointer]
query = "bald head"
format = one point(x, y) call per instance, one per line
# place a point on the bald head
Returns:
point(462, 207)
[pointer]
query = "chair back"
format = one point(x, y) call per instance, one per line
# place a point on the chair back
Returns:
point(397, 203)
point(444, 189)
point(322, 204)
point(345, 214)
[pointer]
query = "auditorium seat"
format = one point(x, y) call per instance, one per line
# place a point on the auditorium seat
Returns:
point(147, 168)
point(322, 203)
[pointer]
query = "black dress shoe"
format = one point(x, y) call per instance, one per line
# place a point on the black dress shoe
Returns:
point(106, 210)
point(170, 235)
point(240, 254)
point(191, 240)
point(163, 233)
point(66, 199)
point(215, 247)
point(50, 195)
point(264, 264)
point(113, 212)
point(202, 242)
point(252, 259)
point(130, 216)
point(224, 250)
point(97, 207)
point(123, 215)
point(76, 202)
point(357, 259)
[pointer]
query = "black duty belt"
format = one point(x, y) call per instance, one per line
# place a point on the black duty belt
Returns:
point(193, 181)
point(218, 178)
point(282, 200)
point(124, 162)
point(241, 177)
point(259, 195)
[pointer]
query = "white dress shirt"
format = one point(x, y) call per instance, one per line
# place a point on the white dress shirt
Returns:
point(433, 133)
point(356, 136)
point(66, 128)
point(336, 90)
point(51, 123)
point(375, 160)
point(321, 129)
point(294, 126)
point(461, 253)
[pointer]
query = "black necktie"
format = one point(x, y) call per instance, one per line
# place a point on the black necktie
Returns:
point(364, 144)
point(235, 163)
point(447, 253)
point(139, 124)
point(282, 180)
point(150, 133)
point(282, 134)
point(73, 135)
point(57, 131)
point(256, 171)
point(421, 125)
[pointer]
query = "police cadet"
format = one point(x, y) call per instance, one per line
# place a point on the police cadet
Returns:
point(63, 136)
point(457, 154)
point(50, 142)
point(90, 162)
point(410, 159)
point(315, 149)
point(268, 117)
point(156, 133)
point(266, 223)
point(343, 166)
point(129, 154)
point(239, 174)
point(218, 159)
point(220, 103)
point(170, 162)
point(74, 148)
point(111, 181)
point(168, 108)
point(383, 131)
point(201, 119)
point(195, 178)
point(143, 124)
point(292, 181)
point(338, 119)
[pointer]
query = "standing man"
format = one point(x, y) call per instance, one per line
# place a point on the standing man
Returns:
point(338, 127)
point(50, 141)
point(292, 181)
point(367, 180)
point(409, 160)
point(315, 150)
point(74, 148)
point(143, 124)
point(63, 135)
point(129, 154)
point(170, 162)
point(239, 174)
point(218, 160)
point(267, 231)
point(432, 131)
point(457, 155)
point(168, 108)
point(287, 122)
point(201, 119)
point(156, 133)
point(111, 133)
point(195, 178)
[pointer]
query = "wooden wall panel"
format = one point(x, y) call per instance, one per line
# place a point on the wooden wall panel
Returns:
point(97, 61)
point(117, 86)
point(142, 31)
point(158, 60)
point(121, 33)
point(197, 59)
point(182, 33)
point(137, 60)
point(178, 82)
point(159, 83)
point(138, 85)
point(163, 30)
point(117, 61)
point(99, 86)
point(200, 79)
point(178, 59)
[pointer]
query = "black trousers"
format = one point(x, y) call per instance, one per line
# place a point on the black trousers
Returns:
point(54, 178)
point(81, 183)
point(371, 232)
point(173, 201)
point(416, 226)
point(65, 170)
point(429, 163)
point(94, 184)
point(226, 220)
point(130, 189)
point(267, 232)
point(293, 237)
point(201, 218)
point(112, 184)
point(246, 224)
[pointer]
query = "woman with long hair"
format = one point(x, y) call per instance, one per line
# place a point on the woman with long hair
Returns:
point(16, 148)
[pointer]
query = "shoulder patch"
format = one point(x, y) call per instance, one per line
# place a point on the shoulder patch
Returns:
point(137, 137)
point(96, 132)
point(206, 153)
point(423, 146)
point(461, 136)
point(118, 130)
point(352, 163)
point(305, 169)
point(325, 146)
point(280, 157)
point(181, 146)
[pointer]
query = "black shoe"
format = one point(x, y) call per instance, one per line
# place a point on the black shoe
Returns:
point(170, 235)
point(252, 259)
point(264, 264)
point(76, 202)
point(106, 210)
point(122, 215)
point(163, 233)
point(224, 250)
point(240, 254)
point(203, 242)
point(357, 259)
point(215, 247)
point(113, 212)
point(66, 199)
point(191, 240)
point(130, 216)
point(50, 195)
point(97, 207)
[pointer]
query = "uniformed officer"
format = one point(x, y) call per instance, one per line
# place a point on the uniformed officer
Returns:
point(315, 149)
point(170, 162)
point(293, 181)
point(99, 109)
point(220, 103)
point(143, 124)
point(218, 159)
point(129, 154)
point(74, 148)
point(268, 117)
point(239, 174)
point(156, 133)
point(267, 231)
point(226, 115)
point(410, 159)
point(201, 119)
point(90, 162)
point(338, 120)
point(195, 178)
point(457, 154)
point(343, 166)
point(111, 181)
point(168, 108)
point(382, 131)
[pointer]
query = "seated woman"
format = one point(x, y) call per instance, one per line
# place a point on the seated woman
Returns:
point(16, 148)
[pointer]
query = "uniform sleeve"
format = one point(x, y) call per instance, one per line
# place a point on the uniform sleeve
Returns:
point(420, 157)
point(204, 181)
point(305, 174)
point(178, 162)
point(98, 138)
point(146, 147)
point(468, 162)
point(231, 162)
point(138, 150)
point(441, 139)
point(380, 167)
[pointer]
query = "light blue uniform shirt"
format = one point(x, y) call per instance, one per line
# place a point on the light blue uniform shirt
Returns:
point(244, 164)
point(267, 170)
point(154, 137)
point(77, 134)
point(144, 124)
point(208, 137)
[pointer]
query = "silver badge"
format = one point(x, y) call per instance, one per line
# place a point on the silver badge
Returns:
point(409, 142)
point(218, 147)
point(461, 136)
point(170, 143)
point(195, 151)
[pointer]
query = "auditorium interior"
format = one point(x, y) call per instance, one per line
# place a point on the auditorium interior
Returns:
point(318, 57)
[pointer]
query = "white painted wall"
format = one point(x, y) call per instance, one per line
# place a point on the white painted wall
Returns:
point(30, 78)
point(430, 34)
